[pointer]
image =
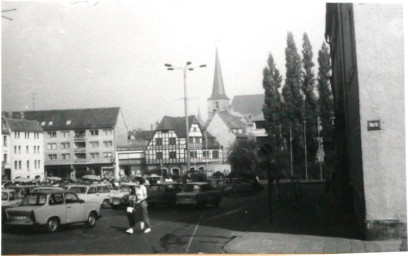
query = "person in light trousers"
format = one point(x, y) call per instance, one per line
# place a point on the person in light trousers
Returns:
point(141, 194)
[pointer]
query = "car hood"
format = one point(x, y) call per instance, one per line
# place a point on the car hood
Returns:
point(187, 194)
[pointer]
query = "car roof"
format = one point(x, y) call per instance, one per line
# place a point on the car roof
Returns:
point(49, 188)
point(76, 185)
point(48, 192)
point(197, 183)
point(165, 183)
point(129, 184)
point(7, 190)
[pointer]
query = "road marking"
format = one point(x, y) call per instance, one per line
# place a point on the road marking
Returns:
point(195, 230)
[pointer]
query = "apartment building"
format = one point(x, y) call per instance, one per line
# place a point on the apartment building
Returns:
point(22, 149)
point(80, 142)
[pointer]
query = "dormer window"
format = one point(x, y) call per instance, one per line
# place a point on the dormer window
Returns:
point(42, 123)
point(68, 122)
point(50, 123)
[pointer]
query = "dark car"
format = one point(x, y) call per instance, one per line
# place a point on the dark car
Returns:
point(199, 194)
point(163, 193)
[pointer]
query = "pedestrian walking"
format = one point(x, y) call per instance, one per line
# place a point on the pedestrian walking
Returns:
point(141, 194)
point(133, 211)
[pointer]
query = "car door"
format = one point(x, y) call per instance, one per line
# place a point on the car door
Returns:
point(74, 208)
point(57, 207)
point(92, 194)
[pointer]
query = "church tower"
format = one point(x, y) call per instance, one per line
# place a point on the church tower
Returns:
point(218, 102)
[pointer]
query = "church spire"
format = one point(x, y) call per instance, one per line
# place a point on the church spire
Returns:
point(218, 92)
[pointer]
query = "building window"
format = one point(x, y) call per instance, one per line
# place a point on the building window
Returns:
point(215, 154)
point(65, 145)
point(5, 158)
point(16, 135)
point(95, 155)
point(36, 135)
point(39, 164)
point(15, 149)
point(28, 165)
point(159, 142)
point(172, 155)
point(5, 141)
point(94, 132)
point(26, 135)
point(191, 140)
point(172, 141)
point(19, 165)
point(65, 156)
point(159, 155)
point(107, 155)
point(107, 144)
point(16, 165)
point(198, 140)
point(94, 144)
point(51, 134)
point(52, 146)
point(65, 134)
point(107, 132)
point(205, 154)
point(19, 149)
point(193, 154)
point(52, 157)
point(27, 149)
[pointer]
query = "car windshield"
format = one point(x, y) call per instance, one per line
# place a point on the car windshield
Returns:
point(78, 190)
point(191, 188)
point(124, 188)
point(34, 199)
point(103, 189)
point(4, 196)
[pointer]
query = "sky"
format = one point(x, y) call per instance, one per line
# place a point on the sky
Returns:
point(91, 54)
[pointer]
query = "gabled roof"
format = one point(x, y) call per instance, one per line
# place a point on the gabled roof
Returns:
point(143, 135)
point(177, 124)
point(248, 104)
point(218, 84)
point(73, 118)
point(231, 121)
point(134, 145)
point(23, 125)
point(258, 118)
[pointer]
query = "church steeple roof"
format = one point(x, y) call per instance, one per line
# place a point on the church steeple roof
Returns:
point(218, 92)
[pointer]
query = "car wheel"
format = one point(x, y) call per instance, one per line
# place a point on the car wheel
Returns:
point(52, 225)
point(105, 203)
point(91, 221)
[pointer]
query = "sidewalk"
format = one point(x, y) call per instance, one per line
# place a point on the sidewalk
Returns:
point(315, 223)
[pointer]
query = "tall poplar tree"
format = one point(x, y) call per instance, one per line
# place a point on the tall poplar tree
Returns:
point(272, 108)
point(293, 99)
point(310, 102)
point(325, 102)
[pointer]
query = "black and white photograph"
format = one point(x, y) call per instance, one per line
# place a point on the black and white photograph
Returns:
point(202, 127)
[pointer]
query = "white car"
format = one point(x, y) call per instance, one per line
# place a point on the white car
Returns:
point(52, 209)
point(99, 193)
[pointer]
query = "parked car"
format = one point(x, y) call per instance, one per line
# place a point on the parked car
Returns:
point(120, 198)
point(9, 199)
point(198, 193)
point(99, 193)
point(163, 193)
point(52, 209)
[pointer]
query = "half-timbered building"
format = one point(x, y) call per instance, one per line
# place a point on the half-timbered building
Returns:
point(167, 149)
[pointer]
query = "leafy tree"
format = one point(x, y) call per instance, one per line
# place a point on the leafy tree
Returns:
point(310, 102)
point(325, 102)
point(293, 99)
point(242, 156)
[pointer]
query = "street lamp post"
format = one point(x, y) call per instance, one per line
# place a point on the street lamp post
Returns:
point(185, 68)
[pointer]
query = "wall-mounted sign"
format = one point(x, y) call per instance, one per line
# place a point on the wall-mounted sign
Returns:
point(373, 125)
